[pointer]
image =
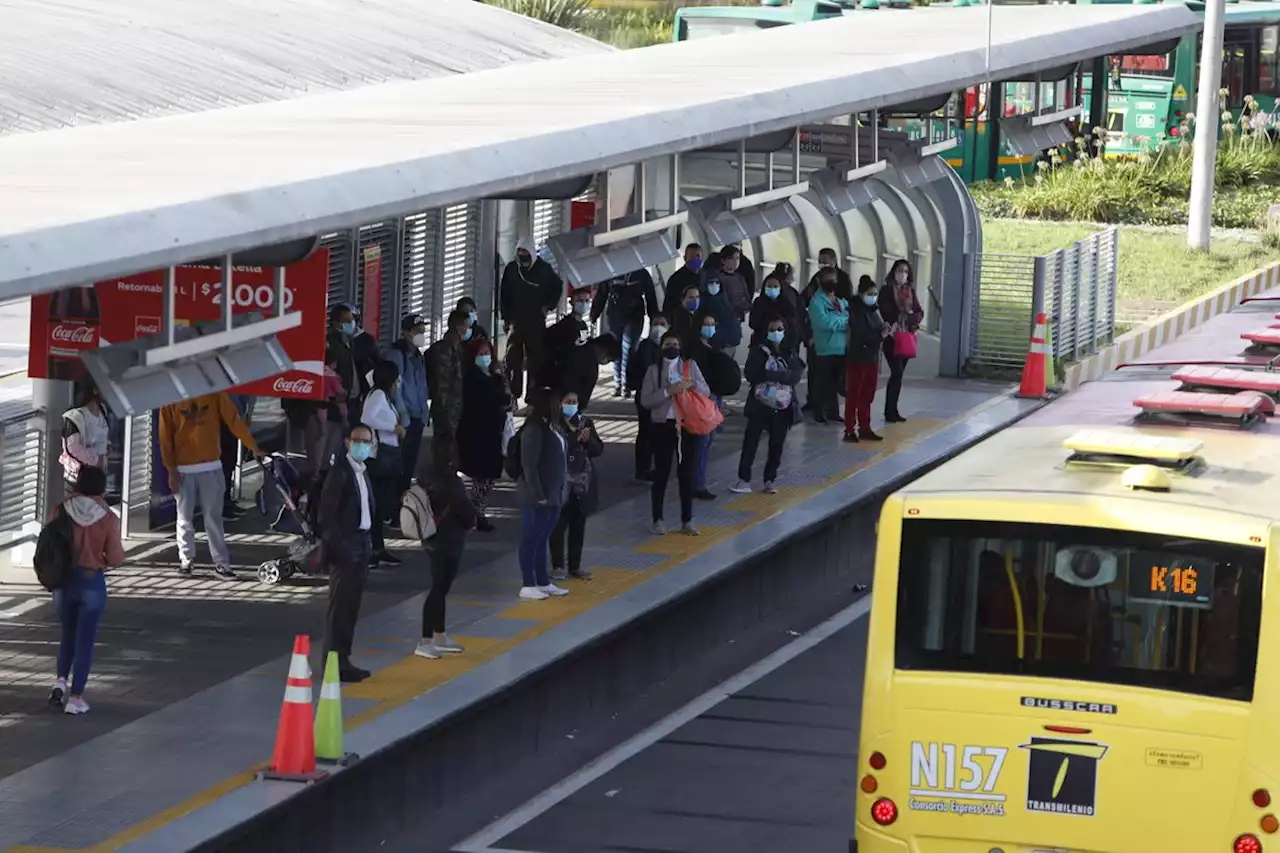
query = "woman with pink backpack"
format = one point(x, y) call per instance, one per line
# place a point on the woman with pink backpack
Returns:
point(682, 412)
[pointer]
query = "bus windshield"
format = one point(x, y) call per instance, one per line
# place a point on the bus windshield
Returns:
point(1057, 601)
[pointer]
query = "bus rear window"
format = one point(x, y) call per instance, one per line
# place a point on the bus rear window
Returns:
point(1056, 601)
point(1147, 66)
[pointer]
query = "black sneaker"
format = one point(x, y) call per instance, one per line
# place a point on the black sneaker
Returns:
point(617, 392)
point(851, 437)
point(704, 495)
point(819, 419)
point(868, 435)
point(224, 572)
point(57, 695)
point(388, 558)
point(894, 418)
point(185, 570)
point(483, 524)
point(353, 674)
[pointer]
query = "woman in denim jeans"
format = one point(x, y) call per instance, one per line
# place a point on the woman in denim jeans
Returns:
point(543, 488)
point(95, 533)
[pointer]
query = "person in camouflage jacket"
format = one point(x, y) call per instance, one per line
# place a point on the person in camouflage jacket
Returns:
point(445, 362)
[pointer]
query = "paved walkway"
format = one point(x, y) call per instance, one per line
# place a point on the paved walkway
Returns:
point(187, 685)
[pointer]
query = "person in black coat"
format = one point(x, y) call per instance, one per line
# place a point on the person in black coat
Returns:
point(624, 302)
point(577, 366)
point(866, 333)
point(689, 275)
point(685, 320)
point(486, 404)
point(583, 445)
point(454, 517)
point(773, 304)
point(773, 369)
point(344, 521)
point(723, 379)
point(479, 335)
point(648, 353)
point(529, 290)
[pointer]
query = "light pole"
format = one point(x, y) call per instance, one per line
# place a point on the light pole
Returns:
point(1200, 209)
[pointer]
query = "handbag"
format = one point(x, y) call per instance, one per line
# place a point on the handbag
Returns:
point(508, 432)
point(695, 414)
point(773, 395)
point(904, 344)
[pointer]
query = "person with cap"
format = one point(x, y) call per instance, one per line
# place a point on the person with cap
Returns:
point(413, 397)
point(529, 290)
point(445, 359)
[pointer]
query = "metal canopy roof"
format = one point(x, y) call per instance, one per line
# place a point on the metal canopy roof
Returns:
point(96, 61)
point(87, 203)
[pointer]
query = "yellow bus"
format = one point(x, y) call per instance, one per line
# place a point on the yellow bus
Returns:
point(1067, 646)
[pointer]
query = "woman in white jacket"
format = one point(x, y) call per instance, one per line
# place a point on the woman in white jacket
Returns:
point(381, 415)
point(84, 436)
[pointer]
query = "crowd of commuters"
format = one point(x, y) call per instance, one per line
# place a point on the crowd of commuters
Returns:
point(680, 361)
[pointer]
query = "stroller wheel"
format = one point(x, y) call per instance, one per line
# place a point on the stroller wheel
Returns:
point(269, 572)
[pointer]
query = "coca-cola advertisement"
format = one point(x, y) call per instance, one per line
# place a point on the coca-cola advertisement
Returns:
point(78, 318)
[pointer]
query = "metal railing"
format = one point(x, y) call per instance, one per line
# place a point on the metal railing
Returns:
point(21, 477)
point(1075, 287)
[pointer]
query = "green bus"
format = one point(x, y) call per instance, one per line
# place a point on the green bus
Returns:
point(1146, 97)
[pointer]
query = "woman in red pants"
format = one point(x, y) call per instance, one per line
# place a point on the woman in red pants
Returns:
point(866, 332)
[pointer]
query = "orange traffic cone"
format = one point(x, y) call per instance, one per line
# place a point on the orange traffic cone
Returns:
point(1034, 379)
point(294, 757)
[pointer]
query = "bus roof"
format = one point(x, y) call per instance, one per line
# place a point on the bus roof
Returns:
point(1240, 470)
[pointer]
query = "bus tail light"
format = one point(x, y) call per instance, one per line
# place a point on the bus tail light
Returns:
point(1262, 798)
point(869, 784)
point(884, 812)
point(1173, 131)
point(876, 761)
point(1269, 824)
point(1247, 844)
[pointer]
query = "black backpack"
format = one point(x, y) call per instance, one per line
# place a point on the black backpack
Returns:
point(55, 552)
point(511, 464)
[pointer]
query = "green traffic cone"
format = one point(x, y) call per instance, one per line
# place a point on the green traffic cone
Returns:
point(329, 717)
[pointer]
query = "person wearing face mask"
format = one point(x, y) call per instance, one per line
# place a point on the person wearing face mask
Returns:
point(342, 328)
point(737, 290)
point(407, 355)
point(543, 488)
point(648, 353)
point(380, 412)
point(901, 310)
point(345, 519)
point(829, 320)
point(583, 447)
point(479, 335)
point(773, 369)
point(486, 401)
point(444, 361)
point(724, 378)
point(686, 318)
point(785, 275)
point(364, 353)
point(570, 331)
point(827, 260)
point(867, 332)
point(715, 303)
point(529, 290)
point(689, 275)
point(84, 435)
point(624, 302)
point(772, 304)
point(671, 443)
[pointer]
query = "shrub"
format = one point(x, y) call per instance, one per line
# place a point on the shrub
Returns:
point(567, 14)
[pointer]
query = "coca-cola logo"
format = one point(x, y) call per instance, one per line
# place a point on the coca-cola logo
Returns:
point(301, 386)
point(146, 326)
point(74, 334)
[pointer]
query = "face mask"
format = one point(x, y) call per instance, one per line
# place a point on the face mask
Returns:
point(472, 317)
point(777, 335)
point(570, 409)
point(524, 262)
point(828, 287)
point(657, 332)
point(900, 276)
point(695, 264)
point(581, 308)
point(772, 292)
point(360, 450)
point(826, 265)
point(348, 329)
point(466, 334)
point(671, 353)
point(483, 362)
point(692, 304)
point(419, 340)
point(869, 299)
point(708, 332)
point(730, 266)
point(713, 288)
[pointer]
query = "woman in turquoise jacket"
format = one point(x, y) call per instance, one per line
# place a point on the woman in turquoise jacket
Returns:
point(829, 319)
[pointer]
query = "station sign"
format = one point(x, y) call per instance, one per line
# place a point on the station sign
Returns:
point(74, 319)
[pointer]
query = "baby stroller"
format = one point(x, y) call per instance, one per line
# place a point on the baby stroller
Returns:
point(284, 500)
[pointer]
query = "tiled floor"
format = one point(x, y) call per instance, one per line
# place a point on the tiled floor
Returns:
point(166, 748)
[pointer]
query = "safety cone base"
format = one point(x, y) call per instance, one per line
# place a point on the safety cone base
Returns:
point(345, 761)
point(273, 775)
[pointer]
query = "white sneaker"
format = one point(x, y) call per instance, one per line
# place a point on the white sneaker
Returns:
point(532, 593)
point(76, 705)
point(552, 589)
point(658, 529)
point(770, 488)
point(689, 529)
point(448, 646)
point(741, 488)
point(426, 649)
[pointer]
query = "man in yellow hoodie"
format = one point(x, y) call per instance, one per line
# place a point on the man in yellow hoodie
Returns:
point(191, 447)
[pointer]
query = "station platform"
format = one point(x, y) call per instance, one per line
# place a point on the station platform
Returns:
point(189, 675)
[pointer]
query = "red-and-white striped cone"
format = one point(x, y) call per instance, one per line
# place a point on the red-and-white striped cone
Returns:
point(294, 756)
point(1034, 378)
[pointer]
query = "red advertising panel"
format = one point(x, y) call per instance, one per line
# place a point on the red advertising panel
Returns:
point(371, 316)
point(582, 214)
point(119, 310)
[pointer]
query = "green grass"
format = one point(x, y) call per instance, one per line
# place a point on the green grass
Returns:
point(1156, 268)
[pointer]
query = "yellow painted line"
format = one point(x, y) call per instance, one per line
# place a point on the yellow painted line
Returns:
point(411, 676)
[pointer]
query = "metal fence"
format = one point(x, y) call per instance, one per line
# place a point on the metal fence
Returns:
point(21, 476)
point(1075, 286)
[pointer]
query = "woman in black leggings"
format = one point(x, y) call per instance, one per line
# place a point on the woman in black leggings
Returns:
point(455, 515)
point(661, 382)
